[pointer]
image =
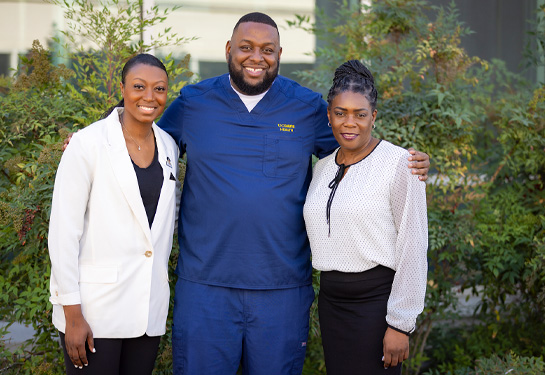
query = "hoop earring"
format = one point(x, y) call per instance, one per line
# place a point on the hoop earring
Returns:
point(374, 126)
point(328, 124)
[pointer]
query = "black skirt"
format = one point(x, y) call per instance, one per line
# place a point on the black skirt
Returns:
point(352, 309)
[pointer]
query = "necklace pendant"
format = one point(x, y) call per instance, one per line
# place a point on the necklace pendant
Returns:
point(138, 148)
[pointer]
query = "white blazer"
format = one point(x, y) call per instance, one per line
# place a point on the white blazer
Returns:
point(103, 254)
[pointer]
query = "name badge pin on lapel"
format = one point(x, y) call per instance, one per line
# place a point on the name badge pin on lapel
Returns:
point(169, 164)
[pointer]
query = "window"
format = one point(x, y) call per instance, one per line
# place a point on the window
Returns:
point(4, 63)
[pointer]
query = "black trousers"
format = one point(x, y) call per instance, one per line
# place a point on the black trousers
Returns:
point(352, 311)
point(132, 356)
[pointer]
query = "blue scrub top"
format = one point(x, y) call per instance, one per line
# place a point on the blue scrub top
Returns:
point(241, 217)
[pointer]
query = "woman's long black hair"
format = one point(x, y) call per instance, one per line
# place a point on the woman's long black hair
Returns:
point(142, 58)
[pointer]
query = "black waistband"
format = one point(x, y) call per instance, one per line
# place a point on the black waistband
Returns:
point(373, 273)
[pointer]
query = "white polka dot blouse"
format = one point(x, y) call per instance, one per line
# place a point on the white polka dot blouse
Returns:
point(377, 217)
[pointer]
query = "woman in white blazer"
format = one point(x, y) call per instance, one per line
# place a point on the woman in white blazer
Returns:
point(112, 220)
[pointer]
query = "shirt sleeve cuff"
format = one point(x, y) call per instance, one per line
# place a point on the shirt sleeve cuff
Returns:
point(65, 299)
point(401, 331)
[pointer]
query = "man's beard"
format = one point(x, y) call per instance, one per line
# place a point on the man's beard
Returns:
point(238, 79)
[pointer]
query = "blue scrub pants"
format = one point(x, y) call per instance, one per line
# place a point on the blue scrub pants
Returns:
point(216, 329)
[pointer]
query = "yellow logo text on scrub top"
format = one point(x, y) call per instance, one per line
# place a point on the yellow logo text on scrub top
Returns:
point(286, 128)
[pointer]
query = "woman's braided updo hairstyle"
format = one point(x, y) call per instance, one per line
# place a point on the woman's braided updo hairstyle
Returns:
point(353, 76)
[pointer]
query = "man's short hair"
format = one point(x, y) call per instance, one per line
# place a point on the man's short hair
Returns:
point(258, 18)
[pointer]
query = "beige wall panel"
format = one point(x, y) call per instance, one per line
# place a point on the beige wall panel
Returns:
point(23, 22)
point(213, 31)
point(211, 21)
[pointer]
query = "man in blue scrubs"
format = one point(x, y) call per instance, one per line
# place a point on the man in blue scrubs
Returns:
point(244, 274)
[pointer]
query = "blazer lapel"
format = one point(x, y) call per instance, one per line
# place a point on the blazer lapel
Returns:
point(124, 171)
point(168, 163)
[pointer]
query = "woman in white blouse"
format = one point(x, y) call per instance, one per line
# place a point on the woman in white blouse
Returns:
point(366, 219)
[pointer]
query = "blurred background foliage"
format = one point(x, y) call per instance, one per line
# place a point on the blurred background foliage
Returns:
point(483, 127)
point(41, 104)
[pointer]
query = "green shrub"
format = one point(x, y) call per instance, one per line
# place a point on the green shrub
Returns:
point(37, 108)
point(484, 129)
point(101, 37)
point(495, 365)
point(40, 105)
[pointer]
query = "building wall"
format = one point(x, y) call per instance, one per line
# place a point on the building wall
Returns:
point(21, 22)
point(500, 30)
point(211, 21)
